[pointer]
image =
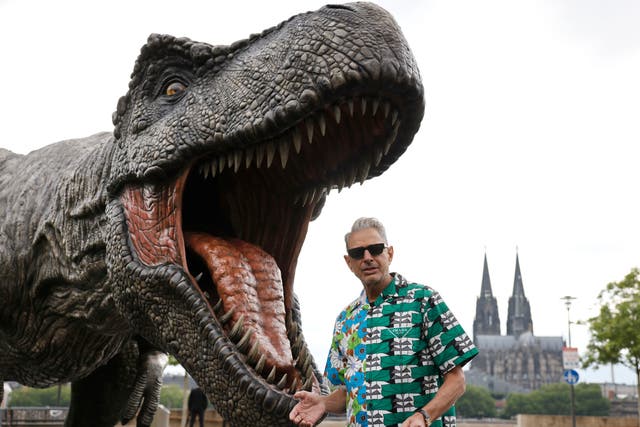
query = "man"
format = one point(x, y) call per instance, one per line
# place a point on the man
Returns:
point(397, 351)
point(197, 406)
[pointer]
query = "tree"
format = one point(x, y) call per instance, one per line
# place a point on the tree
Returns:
point(554, 399)
point(476, 402)
point(614, 331)
point(171, 396)
point(27, 396)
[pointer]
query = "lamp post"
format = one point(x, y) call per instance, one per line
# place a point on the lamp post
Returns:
point(567, 301)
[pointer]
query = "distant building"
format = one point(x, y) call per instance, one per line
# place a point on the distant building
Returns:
point(519, 360)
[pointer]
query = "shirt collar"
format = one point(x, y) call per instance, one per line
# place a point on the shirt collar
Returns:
point(392, 288)
point(397, 281)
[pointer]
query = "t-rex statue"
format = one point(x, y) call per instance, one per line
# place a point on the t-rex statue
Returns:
point(179, 232)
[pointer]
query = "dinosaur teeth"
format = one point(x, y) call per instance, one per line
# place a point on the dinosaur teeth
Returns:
point(283, 382)
point(260, 152)
point(294, 386)
point(225, 317)
point(260, 365)
point(283, 148)
point(322, 124)
point(351, 177)
point(337, 113)
point(364, 172)
point(305, 198)
point(392, 137)
point(377, 155)
point(293, 329)
point(309, 124)
point(308, 384)
point(249, 156)
point(254, 353)
point(272, 375)
point(217, 307)
point(304, 353)
point(376, 104)
point(236, 331)
point(243, 344)
point(237, 160)
point(297, 140)
point(309, 372)
point(311, 196)
point(286, 147)
point(271, 152)
point(230, 160)
point(297, 346)
point(394, 117)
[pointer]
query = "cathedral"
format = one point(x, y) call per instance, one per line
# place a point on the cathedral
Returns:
point(518, 361)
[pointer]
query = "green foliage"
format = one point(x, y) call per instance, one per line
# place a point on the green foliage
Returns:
point(476, 402)
point(614, 331)
point(26, 396)
point(555, 399)
point(171, 396)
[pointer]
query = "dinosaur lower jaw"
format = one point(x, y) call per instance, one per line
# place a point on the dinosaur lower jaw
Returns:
point(250, 294)
point(241, 284)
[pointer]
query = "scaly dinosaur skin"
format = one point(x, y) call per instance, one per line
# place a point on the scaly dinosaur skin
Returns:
point(179, 233)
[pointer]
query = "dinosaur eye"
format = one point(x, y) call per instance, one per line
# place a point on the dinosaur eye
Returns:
point(175, 88)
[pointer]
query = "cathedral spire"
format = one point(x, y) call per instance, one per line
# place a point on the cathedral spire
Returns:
point(485, 288)
point(487, 321)
point(519, 314)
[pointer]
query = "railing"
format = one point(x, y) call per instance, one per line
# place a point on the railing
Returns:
point(32, 417)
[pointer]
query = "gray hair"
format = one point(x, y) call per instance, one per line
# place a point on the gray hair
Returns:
point(365, 222)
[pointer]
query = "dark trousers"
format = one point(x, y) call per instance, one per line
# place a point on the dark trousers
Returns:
point(200, 415)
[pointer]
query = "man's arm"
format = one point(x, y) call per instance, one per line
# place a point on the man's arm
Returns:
point(312, 406)
point(452, 388)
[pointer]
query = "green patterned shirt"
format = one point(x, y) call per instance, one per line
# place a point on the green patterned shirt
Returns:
point(391, 355)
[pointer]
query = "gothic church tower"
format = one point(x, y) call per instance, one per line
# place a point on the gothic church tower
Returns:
point(487, 321)
point(519, 314)
point(518, 361)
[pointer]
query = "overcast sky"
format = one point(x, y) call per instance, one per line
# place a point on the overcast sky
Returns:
point(530, 140)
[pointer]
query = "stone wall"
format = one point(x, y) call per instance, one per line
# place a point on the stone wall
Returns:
point(565, 421)
point(40, 417)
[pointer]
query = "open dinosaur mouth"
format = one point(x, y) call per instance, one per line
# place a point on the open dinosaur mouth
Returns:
point(236, 221)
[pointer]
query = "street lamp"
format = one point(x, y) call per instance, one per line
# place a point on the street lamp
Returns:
point(567, 301)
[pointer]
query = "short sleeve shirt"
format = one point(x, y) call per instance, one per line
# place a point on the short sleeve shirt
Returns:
point(391, 355)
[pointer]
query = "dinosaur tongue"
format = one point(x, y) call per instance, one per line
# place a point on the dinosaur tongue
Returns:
point(248, 282)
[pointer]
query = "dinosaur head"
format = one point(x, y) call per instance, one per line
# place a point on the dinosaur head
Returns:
point(222, 157)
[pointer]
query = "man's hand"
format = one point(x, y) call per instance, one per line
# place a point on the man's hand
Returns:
point(415, 420)
point(310, 408)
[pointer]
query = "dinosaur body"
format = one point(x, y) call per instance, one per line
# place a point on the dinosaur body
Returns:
point(179, 233)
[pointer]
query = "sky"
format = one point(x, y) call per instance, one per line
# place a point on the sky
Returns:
point(529, 144)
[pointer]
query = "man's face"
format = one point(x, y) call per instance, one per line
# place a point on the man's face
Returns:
point(372, 270)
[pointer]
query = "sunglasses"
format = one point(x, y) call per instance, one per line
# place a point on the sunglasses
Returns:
point(358, 253)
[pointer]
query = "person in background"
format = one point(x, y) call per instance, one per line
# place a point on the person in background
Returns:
point(397, 352)
point(197, 405)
